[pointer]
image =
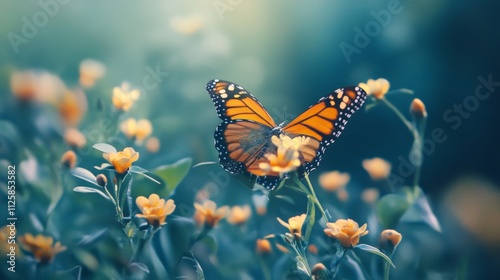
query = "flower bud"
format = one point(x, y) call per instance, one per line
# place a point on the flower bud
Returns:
point(417, 109)
point(389, 239)
point(68, 159)
point(319, 272)
point(263, 247)
point(101, 180)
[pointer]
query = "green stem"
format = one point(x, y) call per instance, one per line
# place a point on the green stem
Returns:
point(264, 268)
point(387, 269)
point(416, 178)
point(316, 201)
point(302, 256)
point(142, 241)
point(408, 124)
point(119, 211)
point(334, 273)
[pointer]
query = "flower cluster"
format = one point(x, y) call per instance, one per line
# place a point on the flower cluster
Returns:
point(154, 209)
point(122, 161)
point(287, 156)
point(42, 247)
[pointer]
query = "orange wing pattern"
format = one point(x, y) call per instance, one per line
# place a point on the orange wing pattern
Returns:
point(244, 136)
point(324, 121)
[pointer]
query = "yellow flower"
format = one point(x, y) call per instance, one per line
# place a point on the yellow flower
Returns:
point(124, 98)
point(90, 71)
point(154, 209)
point(263, 247)
point(239, 215)
point(186, 25)
point(8, 234)
point(370, 195)
point(260, 202)
point(208, 214)
point(312, 249)
point(74, 138)
point(122, 160)
point(287, 156)
point(136, 129)
point(72, 106)
point(68, 159)
point(153, 145)
point(334, 180)
point(389, 239)
point(282, 248)
point(294, 224)
point(286, 142)
point(377, 168)
point(37, 86)
point(417, 109)
point(377, 88)
point(343, 194)
point(41, 247)
point(346, 231)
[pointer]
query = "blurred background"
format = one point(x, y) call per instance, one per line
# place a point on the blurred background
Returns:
point(289, 54)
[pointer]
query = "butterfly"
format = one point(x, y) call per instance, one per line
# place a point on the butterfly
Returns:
point(244, 136)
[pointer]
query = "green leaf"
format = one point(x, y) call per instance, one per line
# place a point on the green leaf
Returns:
point(90, 190)
point(420, 211)
point(211, 243)
point(138, 267)
point(104, 166)
point(390, 209)
point(105, 148)
point(301, 265)
point(400, 90)
point(310, 217)
point(144, 172)
point(90, 238)
point(84, 174)
point(370, 106)
point(173, 174)
point(199, 271)
point(285, 198)
point(373, 250)
point(205, 163)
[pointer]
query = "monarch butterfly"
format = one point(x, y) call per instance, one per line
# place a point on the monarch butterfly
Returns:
point(244, 136)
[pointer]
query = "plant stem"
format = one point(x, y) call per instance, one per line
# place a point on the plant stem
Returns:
point(387, 269)
point(142, 241)
point(408, 124)
point(316, 201)
point(334, 273)
point(119, 212)
point(264, 268)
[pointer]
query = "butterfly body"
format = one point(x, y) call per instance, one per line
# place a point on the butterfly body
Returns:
point(244, 136)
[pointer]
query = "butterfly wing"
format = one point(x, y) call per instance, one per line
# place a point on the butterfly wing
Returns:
point(244, 136)
point(323, 123)
point(233, 102)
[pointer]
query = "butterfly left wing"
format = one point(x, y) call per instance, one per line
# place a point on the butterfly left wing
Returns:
point(233, 102)
point(244, 136)
point(323, 123)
